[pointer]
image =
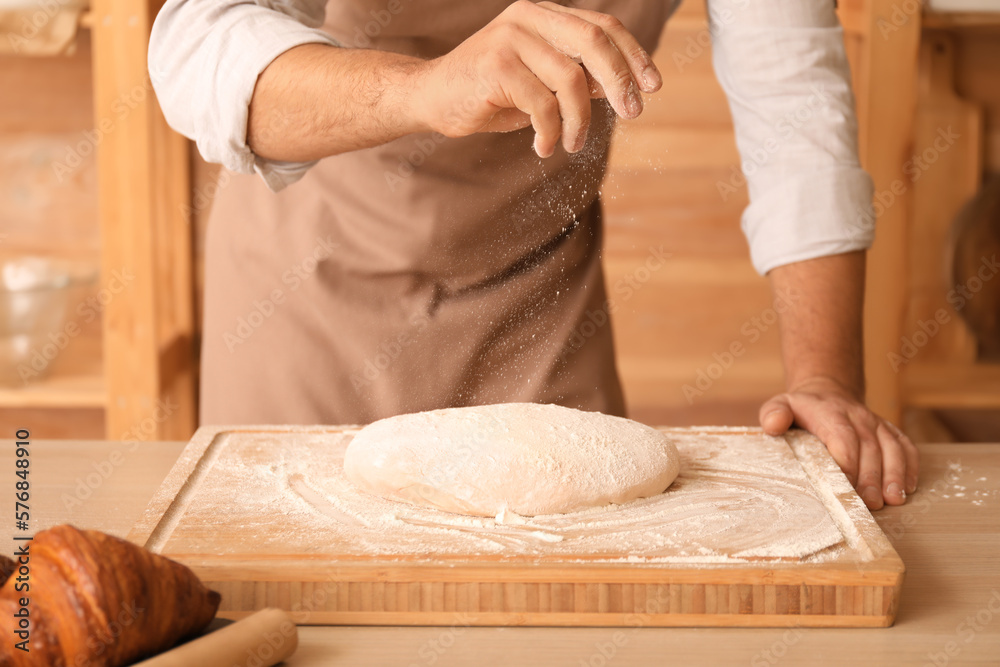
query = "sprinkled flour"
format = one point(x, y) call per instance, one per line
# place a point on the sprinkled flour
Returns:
point(740, 496)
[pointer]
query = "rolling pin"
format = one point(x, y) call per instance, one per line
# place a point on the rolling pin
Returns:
point(261, 640)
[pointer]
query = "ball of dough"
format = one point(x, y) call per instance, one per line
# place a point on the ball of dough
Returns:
point(520, 457)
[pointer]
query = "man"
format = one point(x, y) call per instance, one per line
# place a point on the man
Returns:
point(446, 250)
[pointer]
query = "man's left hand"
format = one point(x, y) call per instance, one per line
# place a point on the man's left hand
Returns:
point(878, 459)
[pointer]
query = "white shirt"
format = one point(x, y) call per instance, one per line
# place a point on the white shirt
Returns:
point(781, 63)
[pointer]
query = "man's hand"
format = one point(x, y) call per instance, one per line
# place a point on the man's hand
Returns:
point(821, 347)
point(534, 64)
point(878, 459)
point(539, 65)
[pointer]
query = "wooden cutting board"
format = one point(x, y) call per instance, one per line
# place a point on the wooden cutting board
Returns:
point(755, 531)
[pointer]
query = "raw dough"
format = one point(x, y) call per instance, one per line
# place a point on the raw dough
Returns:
point(520, 457)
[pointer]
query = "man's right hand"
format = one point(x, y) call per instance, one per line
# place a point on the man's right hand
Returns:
point(539, 65)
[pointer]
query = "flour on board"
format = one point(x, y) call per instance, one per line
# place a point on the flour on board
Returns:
point(739, 497)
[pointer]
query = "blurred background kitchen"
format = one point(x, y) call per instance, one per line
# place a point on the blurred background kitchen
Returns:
point(103, 211)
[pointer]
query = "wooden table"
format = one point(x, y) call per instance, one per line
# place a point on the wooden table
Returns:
point(948, 535)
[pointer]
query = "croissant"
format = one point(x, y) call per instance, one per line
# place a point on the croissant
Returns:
point(99, 601)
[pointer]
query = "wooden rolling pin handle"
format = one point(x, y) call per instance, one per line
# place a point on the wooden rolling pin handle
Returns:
point(261, 640)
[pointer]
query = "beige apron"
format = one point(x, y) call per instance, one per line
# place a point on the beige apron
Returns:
point(421, 274)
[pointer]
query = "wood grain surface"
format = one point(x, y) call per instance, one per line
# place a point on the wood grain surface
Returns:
point(221, 512)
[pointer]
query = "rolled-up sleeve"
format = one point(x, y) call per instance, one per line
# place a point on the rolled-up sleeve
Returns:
point(784, 69)
point(204, 60)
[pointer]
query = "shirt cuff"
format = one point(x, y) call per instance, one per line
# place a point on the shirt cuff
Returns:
point(813, 215)
point(279, 175)
point(254, 42)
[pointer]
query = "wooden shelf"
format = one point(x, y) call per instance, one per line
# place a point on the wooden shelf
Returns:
point(951, 20)
point(79, 386)
point(950, 385)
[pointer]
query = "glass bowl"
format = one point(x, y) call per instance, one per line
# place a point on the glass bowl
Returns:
point(35, 296)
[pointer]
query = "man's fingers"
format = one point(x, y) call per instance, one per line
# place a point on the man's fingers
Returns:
point(893, 466)
point(507, 120)
point(912, 455)
point(869, 484)
point(640, 63)
point(776, 416)
point(588, 42)
point(912, 464)
point(530, 95)
point(837, 433)
point(568, 81)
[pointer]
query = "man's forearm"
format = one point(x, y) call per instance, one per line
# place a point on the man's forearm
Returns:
point(316, 100)
point(821, 333)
